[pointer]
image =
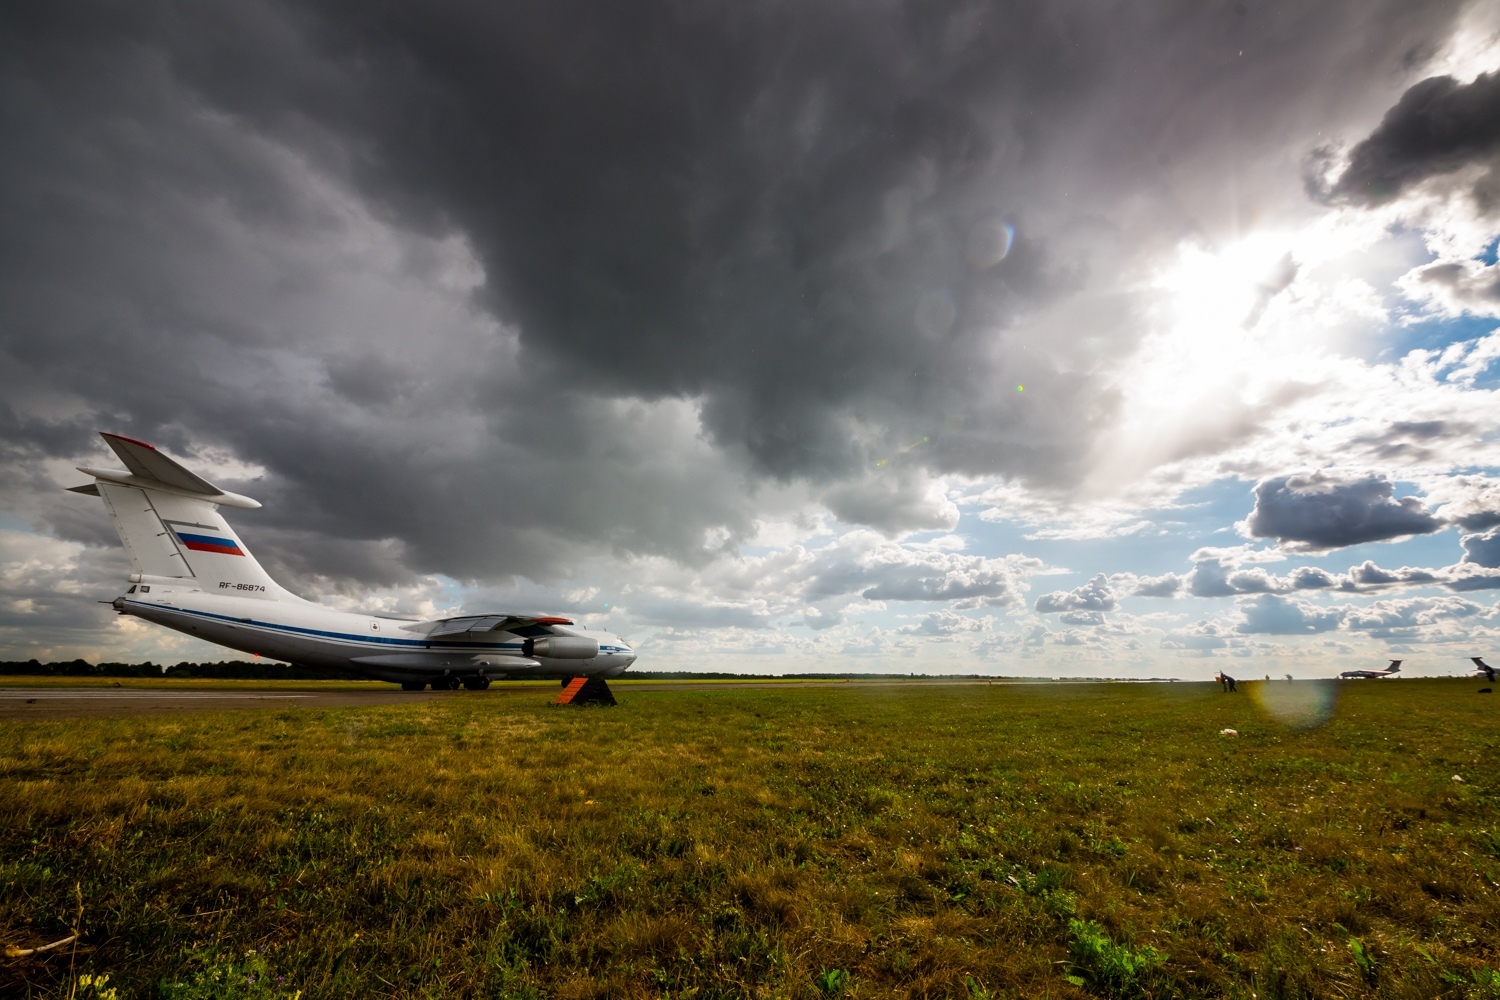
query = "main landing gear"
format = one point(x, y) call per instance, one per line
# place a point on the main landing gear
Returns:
point(449, 683)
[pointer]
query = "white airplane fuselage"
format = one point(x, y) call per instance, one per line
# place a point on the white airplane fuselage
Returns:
point(194, 574)
point(303, 632)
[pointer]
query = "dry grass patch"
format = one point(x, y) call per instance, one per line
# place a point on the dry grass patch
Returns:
point(964, 842)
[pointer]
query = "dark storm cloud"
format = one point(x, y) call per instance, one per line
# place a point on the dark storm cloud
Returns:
point(785, 211)
point(839, 228)
point(1318, 512)
point(172, 275)
point(1438, 127)
point(793, 211)
point(893, 502)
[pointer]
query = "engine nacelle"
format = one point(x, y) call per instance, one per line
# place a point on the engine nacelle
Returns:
point(561, 647)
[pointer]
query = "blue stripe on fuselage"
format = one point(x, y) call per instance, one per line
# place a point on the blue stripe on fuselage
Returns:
point(379, 640)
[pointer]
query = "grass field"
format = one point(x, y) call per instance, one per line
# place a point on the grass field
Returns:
point(188, 684)
point(1014, 841)
point(223, 684)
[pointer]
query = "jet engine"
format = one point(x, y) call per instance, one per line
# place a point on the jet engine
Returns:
point(561, 647)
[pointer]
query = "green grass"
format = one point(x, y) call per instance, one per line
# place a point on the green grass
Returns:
point(194, 683)
point(1007, 841)
point(168, 683)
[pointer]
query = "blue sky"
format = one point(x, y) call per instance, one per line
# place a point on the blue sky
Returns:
point(725, 356)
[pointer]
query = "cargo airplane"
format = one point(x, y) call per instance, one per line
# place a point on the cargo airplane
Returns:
point(193, 574)
point(1353, 675)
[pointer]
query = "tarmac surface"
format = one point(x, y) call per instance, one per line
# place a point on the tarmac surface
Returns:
point(44, 703)
point(63, 702)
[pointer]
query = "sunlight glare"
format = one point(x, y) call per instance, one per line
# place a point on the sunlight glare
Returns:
point(1209, 333)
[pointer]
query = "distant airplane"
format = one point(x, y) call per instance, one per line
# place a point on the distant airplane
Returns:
point(1484, 668)
point(193, 574)
point(1352, 675)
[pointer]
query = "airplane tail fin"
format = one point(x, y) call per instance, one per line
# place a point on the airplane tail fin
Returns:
point(1394, 668)
point(169, 522)
point(1485, 668)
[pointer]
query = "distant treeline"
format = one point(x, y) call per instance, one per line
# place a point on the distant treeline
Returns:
point(258, 670)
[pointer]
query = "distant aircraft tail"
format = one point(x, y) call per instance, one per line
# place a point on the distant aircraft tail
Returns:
point(169, 522)
point(1394, 668)
point(1488, 671)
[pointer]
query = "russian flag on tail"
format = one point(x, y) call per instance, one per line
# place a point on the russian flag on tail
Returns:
point(210, 543)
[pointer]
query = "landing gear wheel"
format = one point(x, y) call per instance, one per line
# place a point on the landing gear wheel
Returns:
point(412, 685)
point(476, 683)
point(445, 684)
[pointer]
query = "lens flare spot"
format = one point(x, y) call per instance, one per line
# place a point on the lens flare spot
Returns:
point(1020, 388)
point(989, 243)
point(1298, 704)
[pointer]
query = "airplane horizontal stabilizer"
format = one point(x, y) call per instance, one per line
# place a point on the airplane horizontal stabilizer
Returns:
point(144, 461)
point(149, 469)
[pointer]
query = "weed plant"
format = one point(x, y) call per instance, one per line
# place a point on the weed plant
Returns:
point(1007, 841)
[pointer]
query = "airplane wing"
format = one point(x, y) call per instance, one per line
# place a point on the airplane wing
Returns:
point(447, 628)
